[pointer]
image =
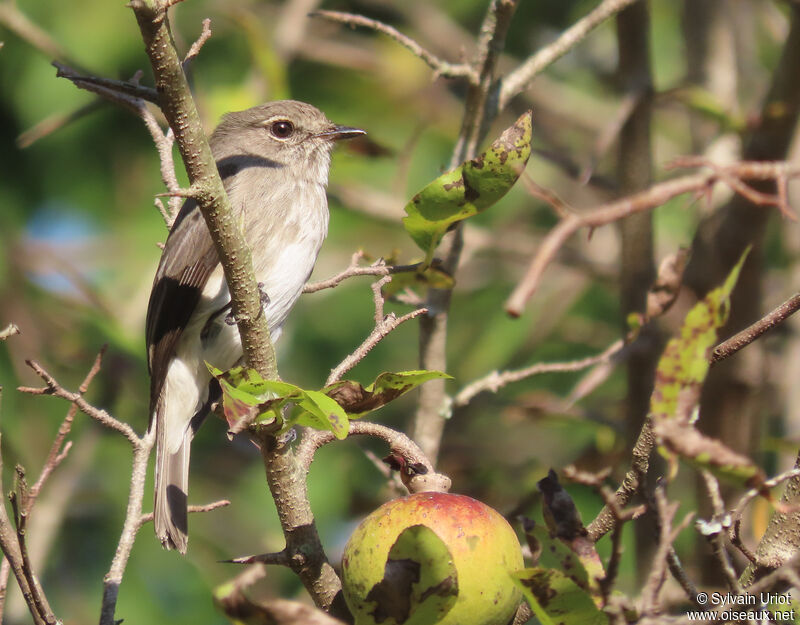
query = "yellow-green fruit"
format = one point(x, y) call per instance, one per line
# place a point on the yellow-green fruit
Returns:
point(413, 582)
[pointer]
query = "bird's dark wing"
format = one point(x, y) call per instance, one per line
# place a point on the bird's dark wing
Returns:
point(189, 258)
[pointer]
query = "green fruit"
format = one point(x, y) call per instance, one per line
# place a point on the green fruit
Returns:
point(432, 558)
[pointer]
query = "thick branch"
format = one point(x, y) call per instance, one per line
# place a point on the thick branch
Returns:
point(179, 109)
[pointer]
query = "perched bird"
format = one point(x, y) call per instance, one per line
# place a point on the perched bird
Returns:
point(274, 161)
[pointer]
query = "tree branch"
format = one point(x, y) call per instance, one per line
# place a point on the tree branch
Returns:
point(384, 325)
point(646, 200)
point(480, 108)
point(751, 333)
point(179, 109)
point(439, 66)
point(519, 80)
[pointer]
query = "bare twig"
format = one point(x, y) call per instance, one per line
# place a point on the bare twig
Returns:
point(112, 580)
point(751, 333)
point(378, 268)
point(735, 534)
point(384, 325)
point(665, 513)
point(279, 558)
point(106, 87)
point(12, 550)
point(439, 66)
point(751, 494)
point(36, 592)
point(646, 200)
point(398, 442)
point(55, 122)
point(519, 80)
point(214, 505)
point(194, 50)
point(58, 452)
point(713, 531)
point(14, 20)
point(56, 390)
point(495, 380)
point(10, 330)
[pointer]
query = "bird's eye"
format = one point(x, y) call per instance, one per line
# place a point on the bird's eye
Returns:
point(282, 129)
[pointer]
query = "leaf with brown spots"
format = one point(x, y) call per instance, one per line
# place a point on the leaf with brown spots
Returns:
point(246, 394)
point(358, 400)
point(576, 559)
point(556, 600)
point(470, 188)
point(685, 361)
point(680, 376)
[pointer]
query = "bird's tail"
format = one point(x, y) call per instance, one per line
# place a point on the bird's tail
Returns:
point(170, 514)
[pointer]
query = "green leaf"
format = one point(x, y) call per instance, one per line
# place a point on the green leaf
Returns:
point(246, 394)
point(322, 413)
point(470, 188)
point(358, 400)
point(419, 579)
point(428, 276)
point(556, 599)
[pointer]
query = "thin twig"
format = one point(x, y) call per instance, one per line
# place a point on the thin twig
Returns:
point(378, 268)
point(754, 331)
point(56, 390)
point(495, 380)
point(439, 66)
point(194, 50)
point(37, 595)
point(397, 441)
point(10, 330)
point(55, 122)
point(279, 558)
point(214, 505)
point(384, 325)
point(713, 532)
point(519, 80)
point(751, 494)
point(646, 200)
point(735, 534)
point(106, 86)
point(665, 513)
point(133, 514)
point(19, 23)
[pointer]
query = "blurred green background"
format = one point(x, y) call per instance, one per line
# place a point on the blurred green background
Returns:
point(78, 235)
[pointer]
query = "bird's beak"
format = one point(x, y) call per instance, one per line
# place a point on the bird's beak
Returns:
point(337, 133)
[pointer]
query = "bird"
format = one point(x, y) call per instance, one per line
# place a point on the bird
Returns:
point(274, 161)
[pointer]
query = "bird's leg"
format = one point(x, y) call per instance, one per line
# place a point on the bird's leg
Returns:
point(230, 318)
